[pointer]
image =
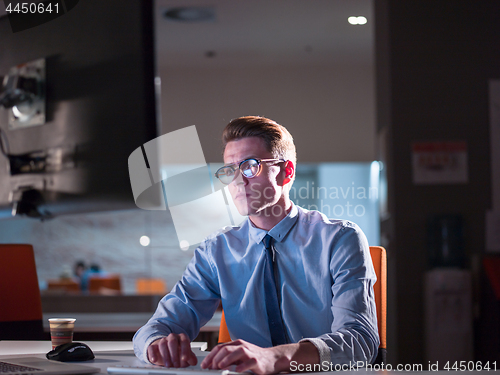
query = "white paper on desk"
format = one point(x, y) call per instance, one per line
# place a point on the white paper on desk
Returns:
point(493, 231)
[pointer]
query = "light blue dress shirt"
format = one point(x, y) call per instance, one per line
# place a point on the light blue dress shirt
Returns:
point(326, 278)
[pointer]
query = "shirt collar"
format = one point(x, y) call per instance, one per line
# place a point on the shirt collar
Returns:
point(279, 231)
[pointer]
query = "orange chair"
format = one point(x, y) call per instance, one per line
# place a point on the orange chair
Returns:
point(151, 286)
point(20, 302)
point(379, 259)
point(105, 284)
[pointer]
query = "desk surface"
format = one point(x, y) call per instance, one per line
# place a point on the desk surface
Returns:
point(109, 353)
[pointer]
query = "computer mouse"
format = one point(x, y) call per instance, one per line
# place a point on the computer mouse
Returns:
point(70, 352)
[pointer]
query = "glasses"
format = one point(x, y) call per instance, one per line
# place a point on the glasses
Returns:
point(248, 168)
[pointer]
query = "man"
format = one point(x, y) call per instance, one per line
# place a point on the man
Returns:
point(320, 306)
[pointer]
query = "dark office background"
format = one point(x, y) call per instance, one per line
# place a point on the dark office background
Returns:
point(434, 60)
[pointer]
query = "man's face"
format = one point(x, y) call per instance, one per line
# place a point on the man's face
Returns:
point(253, 195)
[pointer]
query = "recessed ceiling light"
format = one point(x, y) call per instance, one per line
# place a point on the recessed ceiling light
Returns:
point(190, 14)
point(144, 240)
point(357, 20)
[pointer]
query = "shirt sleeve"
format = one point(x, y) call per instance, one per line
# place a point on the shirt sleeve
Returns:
point(190, 305)
point(354, 332)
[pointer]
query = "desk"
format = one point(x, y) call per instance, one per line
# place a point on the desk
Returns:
point(107, 353)
point(110, 353)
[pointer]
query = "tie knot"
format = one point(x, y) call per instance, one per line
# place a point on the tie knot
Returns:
point(267, 241)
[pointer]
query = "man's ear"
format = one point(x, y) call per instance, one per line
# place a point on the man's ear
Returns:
point(289, 172)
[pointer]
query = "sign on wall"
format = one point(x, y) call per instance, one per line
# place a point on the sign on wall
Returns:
point(439, 162)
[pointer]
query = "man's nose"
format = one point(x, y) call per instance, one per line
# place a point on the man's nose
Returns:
point(239, 178)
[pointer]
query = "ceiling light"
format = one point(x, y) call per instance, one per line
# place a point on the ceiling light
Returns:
point(190, 14)
point(359, 20)
point(144, 240)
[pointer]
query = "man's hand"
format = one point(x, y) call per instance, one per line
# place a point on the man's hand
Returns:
point(249, 357)
point(172, 351)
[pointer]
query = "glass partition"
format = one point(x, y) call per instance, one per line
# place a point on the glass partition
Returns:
point(348, 191)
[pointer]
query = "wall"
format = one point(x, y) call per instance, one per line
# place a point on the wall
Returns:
point(434, 60)
point(329, 109)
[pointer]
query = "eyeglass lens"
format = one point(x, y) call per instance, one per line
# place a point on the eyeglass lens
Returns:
point(249, 168)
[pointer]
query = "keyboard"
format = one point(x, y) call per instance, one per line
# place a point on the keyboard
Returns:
point(10, 368)
point(150, 369)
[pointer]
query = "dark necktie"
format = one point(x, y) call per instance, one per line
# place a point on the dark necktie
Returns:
point(272, 305)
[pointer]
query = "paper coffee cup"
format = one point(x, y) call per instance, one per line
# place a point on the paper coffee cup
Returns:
point(61, 330)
